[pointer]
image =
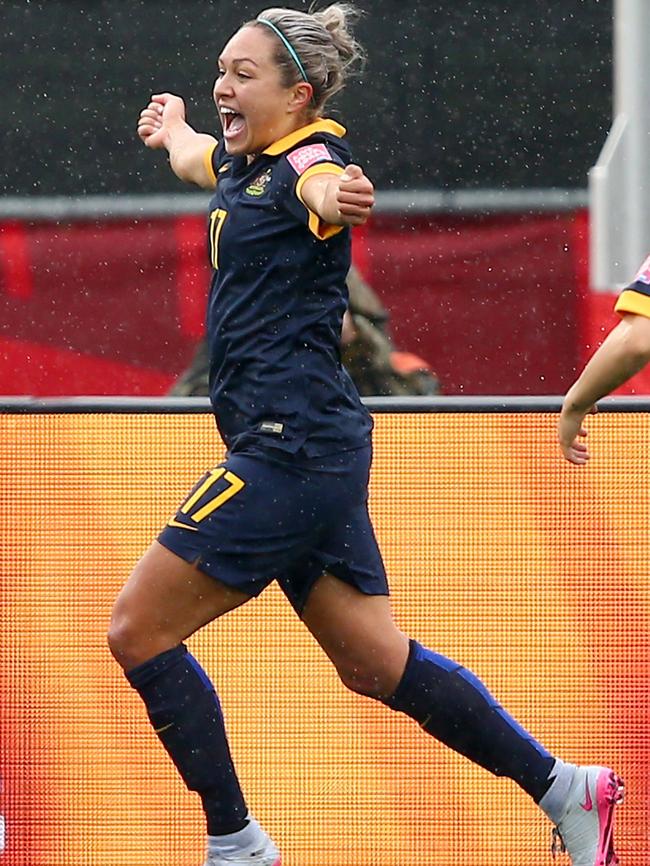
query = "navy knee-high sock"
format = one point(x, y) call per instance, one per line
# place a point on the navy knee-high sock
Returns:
point(186, 715)
point(453, 705)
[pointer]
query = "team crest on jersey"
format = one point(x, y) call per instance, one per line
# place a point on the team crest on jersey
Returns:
point(258, 186)
point(644, 274)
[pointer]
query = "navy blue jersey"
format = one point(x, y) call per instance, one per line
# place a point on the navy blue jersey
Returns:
point(635, 298)
point(276, 303)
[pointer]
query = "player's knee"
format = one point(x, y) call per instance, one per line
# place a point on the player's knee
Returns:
point(372, 681)
point(375, 669)
point(125, 641)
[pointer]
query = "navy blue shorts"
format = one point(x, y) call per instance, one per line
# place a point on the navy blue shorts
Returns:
point(256, 518)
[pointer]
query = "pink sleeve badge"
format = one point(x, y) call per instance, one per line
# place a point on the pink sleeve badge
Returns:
point(302, 158)
point(644, 274)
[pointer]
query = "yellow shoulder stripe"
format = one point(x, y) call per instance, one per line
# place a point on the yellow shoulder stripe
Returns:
point(317, 227)
point(630, 301)
point(322, 124)
point(207, 164)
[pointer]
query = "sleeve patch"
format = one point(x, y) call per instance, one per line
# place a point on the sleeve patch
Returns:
point(644, 274)
point(302, 158)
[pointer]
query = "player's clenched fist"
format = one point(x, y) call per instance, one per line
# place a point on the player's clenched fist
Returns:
point(355, 195)
point(154, 120)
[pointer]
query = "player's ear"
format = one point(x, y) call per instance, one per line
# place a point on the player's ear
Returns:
point(301, 96)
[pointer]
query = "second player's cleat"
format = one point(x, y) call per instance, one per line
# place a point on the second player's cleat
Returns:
point(586, 829)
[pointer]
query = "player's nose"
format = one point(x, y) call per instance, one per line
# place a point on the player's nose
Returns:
point(222, 86)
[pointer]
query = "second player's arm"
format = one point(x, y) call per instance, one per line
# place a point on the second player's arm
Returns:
point(625, 351)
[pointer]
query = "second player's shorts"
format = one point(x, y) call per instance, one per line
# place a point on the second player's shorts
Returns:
point(256, 518)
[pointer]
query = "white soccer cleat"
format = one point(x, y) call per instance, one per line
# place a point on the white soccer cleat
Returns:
point(586, 829)
point(254, 858)
point(258, 849)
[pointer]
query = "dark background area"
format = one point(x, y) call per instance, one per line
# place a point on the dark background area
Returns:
point(455, 95)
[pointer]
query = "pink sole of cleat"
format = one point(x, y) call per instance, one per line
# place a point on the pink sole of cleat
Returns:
point(610, 791)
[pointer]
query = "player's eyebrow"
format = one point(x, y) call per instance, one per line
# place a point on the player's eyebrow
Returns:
point(240, 60)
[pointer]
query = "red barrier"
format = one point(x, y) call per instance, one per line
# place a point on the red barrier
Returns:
point(110, 308)
point(492, 303)
point(496, 304)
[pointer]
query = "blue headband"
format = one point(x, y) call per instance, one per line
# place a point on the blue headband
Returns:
point(287, 45)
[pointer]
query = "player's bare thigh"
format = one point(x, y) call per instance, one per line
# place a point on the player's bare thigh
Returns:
point(358, 634)
point(164, 601)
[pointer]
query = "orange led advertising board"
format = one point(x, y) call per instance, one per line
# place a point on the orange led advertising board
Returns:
point(532, 573)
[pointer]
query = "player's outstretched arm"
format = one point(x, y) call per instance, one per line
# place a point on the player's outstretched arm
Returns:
point(340, 200)
point(625, 351)
point(162, 124)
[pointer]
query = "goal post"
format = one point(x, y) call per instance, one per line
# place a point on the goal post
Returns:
point(619, 182)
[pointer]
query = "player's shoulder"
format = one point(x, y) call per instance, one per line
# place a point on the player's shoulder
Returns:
point(319, 148)
point(220, 156)
point(320, 142)
point(219, 161)
point(641, 281)
point(635, 297)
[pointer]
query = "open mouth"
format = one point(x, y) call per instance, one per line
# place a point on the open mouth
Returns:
point(233, 122)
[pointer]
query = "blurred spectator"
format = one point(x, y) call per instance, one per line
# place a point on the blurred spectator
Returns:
point(193, 382)
point(376, 367)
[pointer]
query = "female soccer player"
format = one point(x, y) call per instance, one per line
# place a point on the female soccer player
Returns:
point(289, 503)
point(624, 352)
